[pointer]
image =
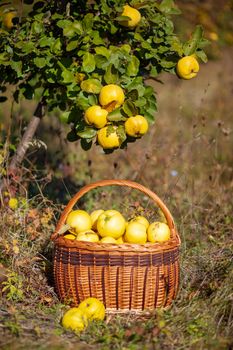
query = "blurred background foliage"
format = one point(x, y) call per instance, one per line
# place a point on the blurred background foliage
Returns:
point(215, 16)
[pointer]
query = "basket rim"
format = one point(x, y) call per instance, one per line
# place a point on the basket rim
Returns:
point(173, 243)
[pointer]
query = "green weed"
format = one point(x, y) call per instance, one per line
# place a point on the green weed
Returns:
point(13, 287)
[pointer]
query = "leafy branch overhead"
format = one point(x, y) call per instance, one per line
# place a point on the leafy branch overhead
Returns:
point(69, 53)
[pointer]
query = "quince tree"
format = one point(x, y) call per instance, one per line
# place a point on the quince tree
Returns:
point(63, 53)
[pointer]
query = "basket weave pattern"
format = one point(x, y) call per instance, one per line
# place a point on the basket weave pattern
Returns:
point(125, 277)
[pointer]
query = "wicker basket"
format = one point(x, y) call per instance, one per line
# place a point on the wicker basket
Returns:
point(127, 278)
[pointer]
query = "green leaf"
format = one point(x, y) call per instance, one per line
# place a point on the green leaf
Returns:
point(167, 64)
point(133, 95)
point(126, 48)
point(4, 32)
point(168, 7)
point(78, 28)
point(154, 72)
point(149, 116)
point(69, 31)
point(56, 47)
point(75, 115)
point(129, 108)
point(27, 91)
point(4, 58)
point(63, 23)
point(121, 133)
point(113, 29)
point(28, 47)
point(72, 45)
point(46, 42)
point(3, 99)
point(17, 66)
point(149, 92)
point(111, 75)
point(133, 67)
point(101, 50)
point(88, 21)
point(88, 64)
point(116, 115)
point(86, 39)
point(40, 62)
point(138, 37)
point(51, 75)
point(141, 102)
point(169, 26)
point(135, 85)
point(37, 27)
point(68, 77)
point(64, 117)
point(146, 45)
point(97, 40)
point(39, 16)
point(115, 59)
point(162, 49)
point(82, 101)
point(122, 18)
point(86, 144)
point(91, 86)
point(12, 147)
point(175, 45)
point(201, 54)
point(198, 33)
point(110, 129)
point(9, 49)
point(72, 136)
point(55, 16)
point(100, 61)
point(191, 46)
point(203, 43)
point(92, 99)
point(86, 132)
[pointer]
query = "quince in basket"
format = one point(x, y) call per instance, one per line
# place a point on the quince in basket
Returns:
point(94, 217)
point(108, 239)
point(88, 236)
point(111, 223)
point(79, 221)
point(120, 240)
point(110, 226)
point(141, 220)
point(135, 233)
point(70, 236)
point(158, 232)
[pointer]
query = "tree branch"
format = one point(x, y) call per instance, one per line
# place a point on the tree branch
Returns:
point(25, 142)
point(27, 137)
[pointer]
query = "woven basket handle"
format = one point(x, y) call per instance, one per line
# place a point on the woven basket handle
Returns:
point(126, 183)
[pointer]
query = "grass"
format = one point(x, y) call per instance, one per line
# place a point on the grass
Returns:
point(201, 317)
